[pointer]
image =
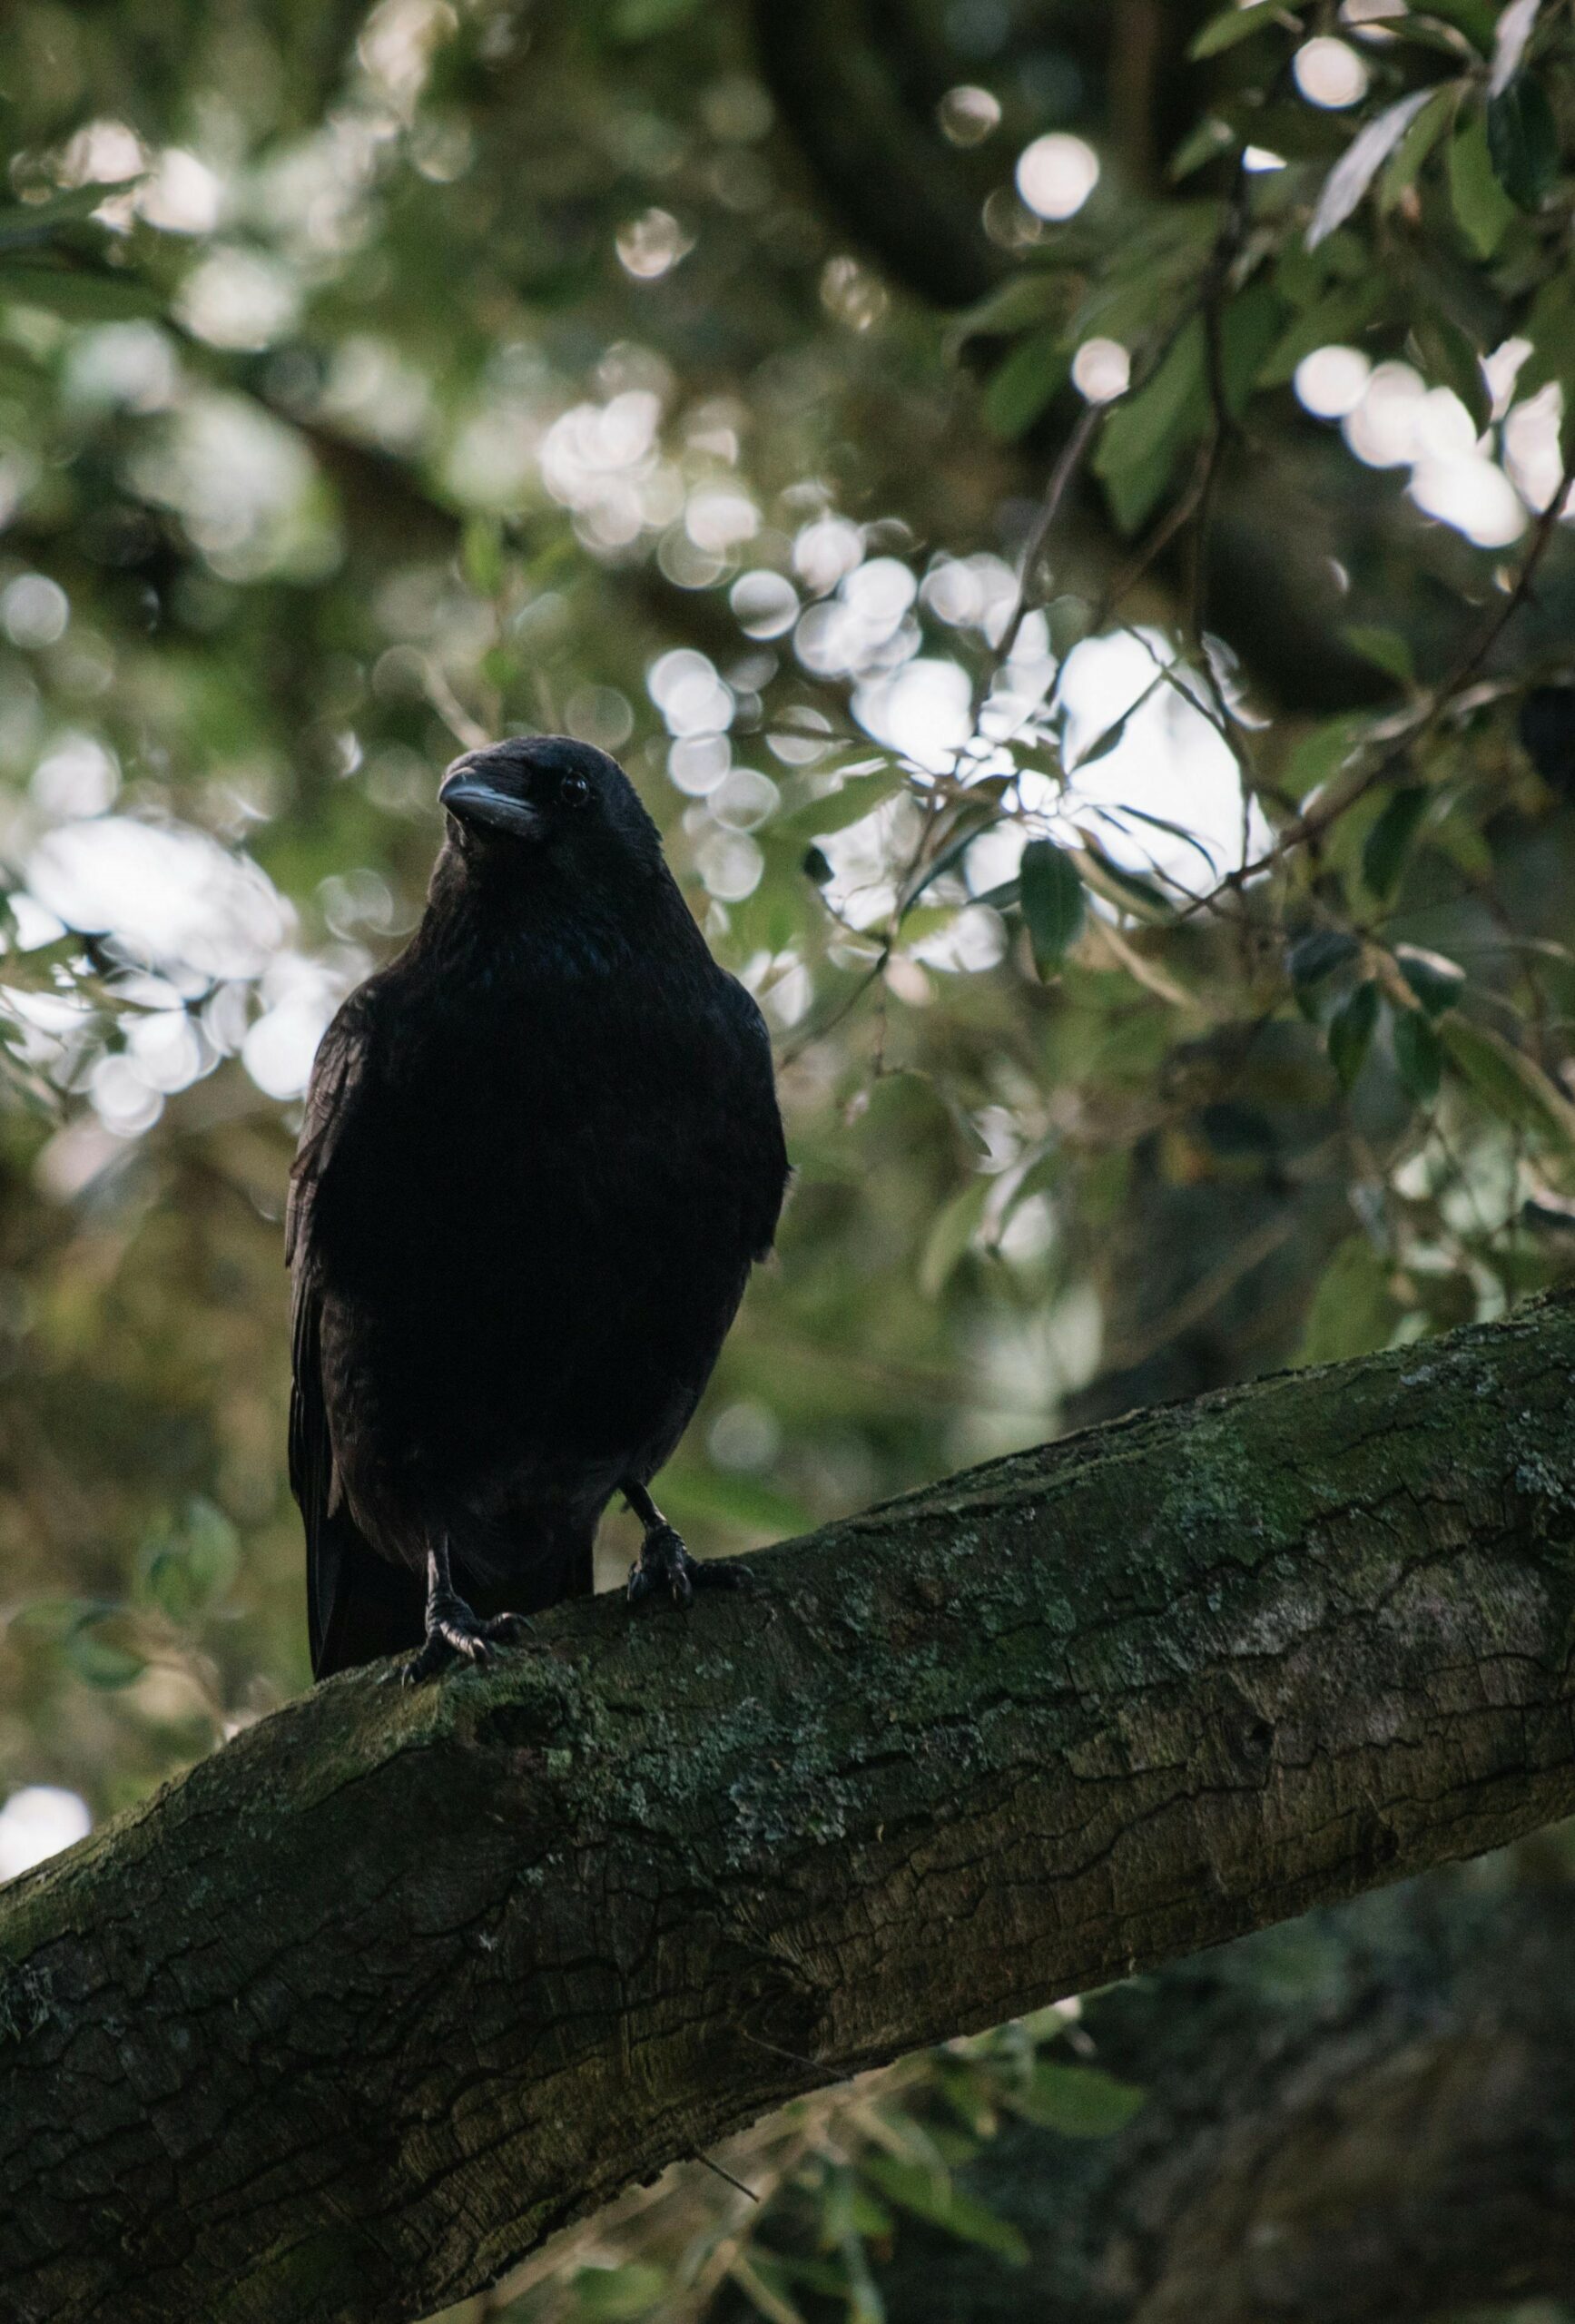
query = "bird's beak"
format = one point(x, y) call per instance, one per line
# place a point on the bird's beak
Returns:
point(467, 793)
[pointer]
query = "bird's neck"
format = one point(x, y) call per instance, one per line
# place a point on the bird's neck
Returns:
point(529, 919)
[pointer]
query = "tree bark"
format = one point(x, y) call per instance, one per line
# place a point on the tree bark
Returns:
point(1364, 2118)
point(365, 2006)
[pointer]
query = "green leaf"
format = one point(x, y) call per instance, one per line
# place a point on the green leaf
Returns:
point(970, 821)
point(99, 1660)
point(1404, 166)
point(1384, 648)
point(1337, 319)
point(928, 2195)
point(1360, 163)
point(614, 2294)
point(1418, 1054)
point(1551, 327)
point(970, 2094)
point(1323, 751)
point(1481, 207)
point(212, 1547)
point(1447, 354)
point(1233, 24)
point(849, 2211)
point(28, 222)
point(167, 1582)
point(951, 1231)
point(1069, 621)
point(1478, 19)
point(1109, 737)
point(1510, 1084)
point(1144, 433)
point(1204, 142)
point(1435, 981)
point(1128, 814)
point(1136, 489)
point(865, 2304)
point(1022, 387)
point(1053, 902)
point(634, 20)
point(1019, 303)
point(1350, 1032)
point(1524, 141)
point(1251, 325)
point(765, 2283)
point(834, 811)
point(1318, 954)
point(1079, 2102)
point(76, 295)
point(186, 1570)
point(1510, 40)
point(1302, 276)
point(1389, 842)
point(1353, 1310)
point(1297, 132)
point(1128, 889)
point(481, 554)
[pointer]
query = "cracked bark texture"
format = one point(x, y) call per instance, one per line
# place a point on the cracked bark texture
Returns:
point(369, 2003)
point(1366, 2116)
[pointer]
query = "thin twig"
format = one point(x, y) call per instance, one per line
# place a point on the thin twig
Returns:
point(827, 2073)
point(451, 709)
point(1339, 802)
point(1069, 462)
point(698, 2154)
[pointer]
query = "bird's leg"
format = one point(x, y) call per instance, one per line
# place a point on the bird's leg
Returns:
point(454, 1632)
point(663, 1565)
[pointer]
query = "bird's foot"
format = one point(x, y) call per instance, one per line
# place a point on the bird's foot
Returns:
point(454, 1634)
point(666, 1569)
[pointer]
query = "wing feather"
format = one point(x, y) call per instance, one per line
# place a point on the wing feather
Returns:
point(762, 1171)
point(335, 1552)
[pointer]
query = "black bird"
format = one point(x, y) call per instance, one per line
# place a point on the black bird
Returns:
point(541, 1152)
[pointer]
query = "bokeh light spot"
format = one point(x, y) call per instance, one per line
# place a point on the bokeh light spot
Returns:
point(1332, 381)
point(1101, 369)
point(37, 1822)
point(1330, 73)
point(1056, 174)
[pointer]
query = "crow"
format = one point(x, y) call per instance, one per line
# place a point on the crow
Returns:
point(541, 1151)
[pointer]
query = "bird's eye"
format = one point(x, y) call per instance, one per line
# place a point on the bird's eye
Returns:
point(574, 790)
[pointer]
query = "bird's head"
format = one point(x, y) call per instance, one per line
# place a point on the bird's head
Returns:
point(513, 801)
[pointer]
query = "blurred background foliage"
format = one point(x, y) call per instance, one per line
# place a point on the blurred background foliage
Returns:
point(1058, 508)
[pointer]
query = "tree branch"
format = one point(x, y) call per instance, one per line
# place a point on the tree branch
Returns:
point(1360, 2116)
point(359, 2011)
point(1366, 2116)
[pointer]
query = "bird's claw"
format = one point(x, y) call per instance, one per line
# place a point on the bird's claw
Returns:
point(665, 1567)
point(456, 1635)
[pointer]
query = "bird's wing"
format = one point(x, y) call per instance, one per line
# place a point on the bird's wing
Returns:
point(332, 1544)
point(764, 1171)
point(311, 1464)
point(338, 1066)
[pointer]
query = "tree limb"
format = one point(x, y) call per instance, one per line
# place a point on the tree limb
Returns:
point(1356, 2117)
point(1365, 2117)
point(365, 2006)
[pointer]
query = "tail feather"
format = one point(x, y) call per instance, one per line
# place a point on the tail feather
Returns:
point(364, 1608)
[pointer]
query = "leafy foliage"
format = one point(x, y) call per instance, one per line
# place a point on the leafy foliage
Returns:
point(1145, 810)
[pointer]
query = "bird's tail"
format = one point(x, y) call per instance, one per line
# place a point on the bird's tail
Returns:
point(363, 1607)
